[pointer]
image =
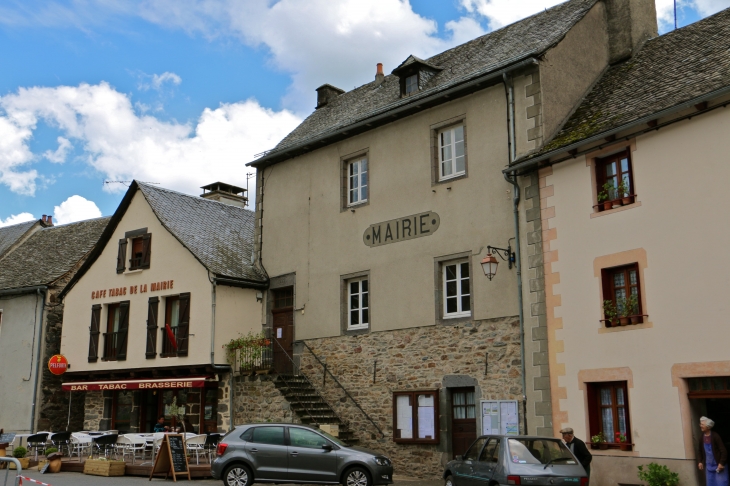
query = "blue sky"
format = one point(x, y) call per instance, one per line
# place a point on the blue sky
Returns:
point(184, 92)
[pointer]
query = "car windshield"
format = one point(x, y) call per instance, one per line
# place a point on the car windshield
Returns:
point(332, 438)
point(539, 451)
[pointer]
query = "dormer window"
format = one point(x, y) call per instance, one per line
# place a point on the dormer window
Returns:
point(411, 84)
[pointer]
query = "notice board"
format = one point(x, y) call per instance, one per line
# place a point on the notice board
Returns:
point(500, 417)
point(171, 458)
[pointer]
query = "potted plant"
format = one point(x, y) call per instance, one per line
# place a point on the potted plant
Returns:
point(656, 475)
point(623, 311)
point(19, 453)
point(621, 441)
point(606, 196)
point(598, 441)
point(609, 313)
point(632, 304)
point(624, 192)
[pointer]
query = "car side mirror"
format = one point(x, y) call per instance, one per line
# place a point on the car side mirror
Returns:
point(459, 458)
point(327, 447)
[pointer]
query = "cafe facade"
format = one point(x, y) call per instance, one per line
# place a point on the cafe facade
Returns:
point(147, 317)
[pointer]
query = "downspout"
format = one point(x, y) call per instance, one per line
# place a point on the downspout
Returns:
point(39, 293)
point(518, 258)
point(219, 368)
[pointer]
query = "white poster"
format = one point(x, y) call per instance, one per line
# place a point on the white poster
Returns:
point(489, 420)
point(404, 416)
point(426, 428)
point(508, 417)
point(500, 417)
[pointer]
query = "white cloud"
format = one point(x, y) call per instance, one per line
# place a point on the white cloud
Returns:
point(16, 219)
point(59, 155)
point(156, 81)
point(123, 145)
point(75, 208)
point(504, 12)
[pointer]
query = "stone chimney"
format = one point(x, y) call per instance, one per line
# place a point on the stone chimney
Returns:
point(327, 93)
point(630, 24)
point(379, 76)
point(47, 220)
point(226, 194)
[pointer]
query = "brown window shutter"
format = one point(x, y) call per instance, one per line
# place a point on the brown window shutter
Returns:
point(152, 306)
point(94, 333)
point(121, 255)
point(146, 250)
point(594, 410)
point(184, 325)
point(123, 330)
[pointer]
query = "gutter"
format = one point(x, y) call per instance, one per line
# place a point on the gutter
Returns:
point(219, 368)
point(39, 331)
point(390, 115)
point(23, 290)
point(526, 164)
point(243, 283)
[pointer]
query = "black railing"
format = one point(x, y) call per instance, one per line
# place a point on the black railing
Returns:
point(334, 378)
point(168, 349)
point(255, 357)
point(111, 340)
point(282, 377)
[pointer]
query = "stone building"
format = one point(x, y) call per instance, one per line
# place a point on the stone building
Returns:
point(37, 261)
point(373, 217)
point(621, 234)
point(169, 284)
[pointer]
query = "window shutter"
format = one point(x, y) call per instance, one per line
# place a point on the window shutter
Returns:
point(146, 250)
point(184, 325)
point(123, 331)
point(152, 306)
point(94, 333)
point(121, 255)
point(594, 411)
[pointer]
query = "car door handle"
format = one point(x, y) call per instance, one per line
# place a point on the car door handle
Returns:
point(254, 450)
point(295, 453)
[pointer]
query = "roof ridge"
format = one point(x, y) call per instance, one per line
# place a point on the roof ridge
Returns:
point(195, 198)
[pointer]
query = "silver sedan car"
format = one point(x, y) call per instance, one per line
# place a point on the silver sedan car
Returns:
point(288, 453)
point(501, 460)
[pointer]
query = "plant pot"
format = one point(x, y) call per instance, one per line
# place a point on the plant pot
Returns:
point(607, 205)
point(624, 321)
point(625, 446)
point(636, 319)
point(603, 446)
point(627, 200)
point(616, 203)
point(24, 463)
point(594, 445)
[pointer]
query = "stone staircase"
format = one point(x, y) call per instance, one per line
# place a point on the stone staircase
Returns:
point(310, 406)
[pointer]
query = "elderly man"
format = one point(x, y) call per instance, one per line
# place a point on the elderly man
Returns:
point(578, 448)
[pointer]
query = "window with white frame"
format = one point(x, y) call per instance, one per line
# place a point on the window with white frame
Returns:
point(357, 181)
point(452, 162)
point(456, 290)
point(358, 304)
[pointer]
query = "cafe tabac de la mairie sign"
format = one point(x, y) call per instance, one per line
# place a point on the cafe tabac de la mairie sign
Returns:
point(401, 229)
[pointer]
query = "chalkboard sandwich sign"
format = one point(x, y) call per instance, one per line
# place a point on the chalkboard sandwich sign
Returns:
point(171, 458)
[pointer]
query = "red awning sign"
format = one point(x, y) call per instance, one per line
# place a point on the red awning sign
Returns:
point(188, 382)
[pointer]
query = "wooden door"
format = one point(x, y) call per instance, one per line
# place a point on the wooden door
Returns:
point(283, 329)
point(463, 420)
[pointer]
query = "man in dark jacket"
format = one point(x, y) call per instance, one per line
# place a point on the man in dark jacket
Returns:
point(578, 448)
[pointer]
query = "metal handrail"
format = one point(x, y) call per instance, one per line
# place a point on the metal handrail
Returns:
point(18, 468)
point(296, 394)
point(343, 388)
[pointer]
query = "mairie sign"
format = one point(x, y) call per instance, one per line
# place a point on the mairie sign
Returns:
point(58, 364)
point(401, 229)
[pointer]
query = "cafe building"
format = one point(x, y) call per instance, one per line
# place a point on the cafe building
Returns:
point(169, 283)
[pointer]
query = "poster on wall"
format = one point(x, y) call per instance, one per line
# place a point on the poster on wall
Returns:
point(500, 417)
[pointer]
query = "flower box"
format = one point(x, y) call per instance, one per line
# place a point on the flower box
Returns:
point(97, 467)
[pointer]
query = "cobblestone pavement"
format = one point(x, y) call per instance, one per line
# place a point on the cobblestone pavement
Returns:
point(78, 479)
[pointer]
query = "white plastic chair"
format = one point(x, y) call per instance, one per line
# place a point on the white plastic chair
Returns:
point(134, 445)
point(195, 444)
point(80, 444)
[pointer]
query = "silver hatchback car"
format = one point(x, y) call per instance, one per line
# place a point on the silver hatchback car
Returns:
point(526, 460)
point(288, 453)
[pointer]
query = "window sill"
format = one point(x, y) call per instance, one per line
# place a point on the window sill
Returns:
point(615, 452)
point(628, 327)
point(452, 177)
point(130, 272)
point(603, 212)
point(357, 328)
point(457, 316)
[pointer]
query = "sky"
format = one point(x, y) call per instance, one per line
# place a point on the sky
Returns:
point(182, 93)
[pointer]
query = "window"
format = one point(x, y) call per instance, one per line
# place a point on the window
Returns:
point(622, 295)
point(306, 438)
point(456, 290)
point(614, 180)
point(452, 159)
point(175, 331)
point(539, 451)
point(269, 435)
point(415, 416)
point(476, 448)
point(358, 304)
point(357, 182)
point(491, 452)
point(115, 337)
point(463, 404)
point(141, 251)
point(283, 298)
point(608, 411)
point(411, 84)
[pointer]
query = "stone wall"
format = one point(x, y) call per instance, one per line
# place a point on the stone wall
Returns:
point(94, 410)
point(433, 357)
point(224, 414)
point(257, 400)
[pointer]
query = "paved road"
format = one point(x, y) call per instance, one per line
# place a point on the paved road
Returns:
point(78, 479)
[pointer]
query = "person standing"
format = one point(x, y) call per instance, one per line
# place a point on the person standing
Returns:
point(712, 455)
point(578, 448)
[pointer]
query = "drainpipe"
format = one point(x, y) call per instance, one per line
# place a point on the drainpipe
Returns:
point(39, 331)
point(518, 258)
point(219, 368)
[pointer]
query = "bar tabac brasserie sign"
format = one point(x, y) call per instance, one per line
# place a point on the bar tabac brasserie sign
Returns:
point(401, 229)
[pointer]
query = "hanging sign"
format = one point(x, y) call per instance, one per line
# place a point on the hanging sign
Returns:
point(171, 458)
point(58, 364)
point(401, 229)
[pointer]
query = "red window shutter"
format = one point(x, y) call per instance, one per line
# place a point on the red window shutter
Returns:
point(152, 307)
point(121, 255)
point(94, 333)
point(146, 250)
point(183, 326)
point(123, 330)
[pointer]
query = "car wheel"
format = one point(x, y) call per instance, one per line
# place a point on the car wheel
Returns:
point(237, 475)
point(357, 477)
point(449, 480)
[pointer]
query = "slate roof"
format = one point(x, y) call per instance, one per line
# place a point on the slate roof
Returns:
point(49, 254)
point(219, 235)
point(9, 235)
point(668, 70)
point(521, 40)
